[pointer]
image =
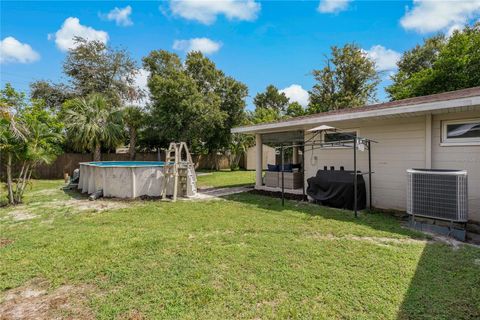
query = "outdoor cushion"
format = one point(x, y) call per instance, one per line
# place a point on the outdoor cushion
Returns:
point(273, 167)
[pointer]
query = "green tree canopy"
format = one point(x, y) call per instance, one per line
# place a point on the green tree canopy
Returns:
point(271, 99)
point(92, 67)
point(270, 105)
point(193, 102)
point(53, 94)
point(347, 80)
point(440, 64)
point(294, 109)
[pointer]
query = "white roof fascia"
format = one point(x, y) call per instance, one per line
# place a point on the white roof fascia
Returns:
point(423, 107)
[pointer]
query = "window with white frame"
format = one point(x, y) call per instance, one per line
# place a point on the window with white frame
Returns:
point(461, 132)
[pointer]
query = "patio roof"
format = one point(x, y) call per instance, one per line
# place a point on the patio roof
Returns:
point(435, 103)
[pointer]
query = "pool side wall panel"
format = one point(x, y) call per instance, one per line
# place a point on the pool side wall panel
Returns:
point(122, 182)
point(148, 181)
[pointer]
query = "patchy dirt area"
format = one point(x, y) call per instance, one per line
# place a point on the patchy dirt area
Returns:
point(217, 193)
point(98, 205)
point(26, 212)
point(46, 192)
point(35, 301)
point(374, 240)
point(21, 215)
point(133, 315)
point(5, 242)
point(455, 244)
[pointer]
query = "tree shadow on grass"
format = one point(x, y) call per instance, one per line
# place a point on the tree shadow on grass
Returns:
point(377, 220)
point(446, 285)
point(446, 282)
point(75, 194)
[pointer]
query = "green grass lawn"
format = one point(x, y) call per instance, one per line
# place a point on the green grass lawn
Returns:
point(243, 257)
point(216, 179)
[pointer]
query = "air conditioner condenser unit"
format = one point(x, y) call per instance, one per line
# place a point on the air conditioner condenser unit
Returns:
point(437, 194)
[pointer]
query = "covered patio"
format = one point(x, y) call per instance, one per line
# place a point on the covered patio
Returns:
point(287, 174)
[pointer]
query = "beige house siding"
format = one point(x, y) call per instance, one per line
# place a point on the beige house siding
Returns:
point(458, 157)
point(267, 158)
point(402, 145)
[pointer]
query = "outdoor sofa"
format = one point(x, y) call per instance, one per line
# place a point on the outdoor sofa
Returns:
point(292, 176)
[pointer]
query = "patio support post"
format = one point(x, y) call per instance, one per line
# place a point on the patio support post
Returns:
point(283, 181)
point(370, 175)
point(259, 160)
point(355, 176)
point(295, 155)
point(303, 173)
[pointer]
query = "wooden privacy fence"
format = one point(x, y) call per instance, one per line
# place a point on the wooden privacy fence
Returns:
point(68, 162)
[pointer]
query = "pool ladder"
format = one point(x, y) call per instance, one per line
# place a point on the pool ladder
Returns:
point(181, 170)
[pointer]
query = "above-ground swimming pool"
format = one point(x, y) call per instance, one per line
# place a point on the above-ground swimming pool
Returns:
point(129, 179)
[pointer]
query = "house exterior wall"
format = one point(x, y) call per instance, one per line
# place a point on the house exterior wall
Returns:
point(458, 157)
point(268, 157)
point(401, 145)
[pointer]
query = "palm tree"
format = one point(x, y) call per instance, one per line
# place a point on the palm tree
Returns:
point(238, 147)
point(134, 119)
point(12, 134)
point(41, 145)
point(92, 123)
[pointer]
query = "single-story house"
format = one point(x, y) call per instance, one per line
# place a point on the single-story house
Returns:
point(421, 132)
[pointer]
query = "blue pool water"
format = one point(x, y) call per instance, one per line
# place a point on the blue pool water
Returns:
point(128, 163)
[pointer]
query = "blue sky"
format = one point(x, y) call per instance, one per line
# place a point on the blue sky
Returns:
point(258, 43)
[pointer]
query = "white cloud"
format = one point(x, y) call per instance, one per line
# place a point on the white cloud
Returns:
point(203, 45)
point(72, 28)
point(430, 16)
point(385, 59)
point(332, 6)
point(141, 81)
point(120, 16)
point(12, 50)
point(295, 92)
point(206, 11)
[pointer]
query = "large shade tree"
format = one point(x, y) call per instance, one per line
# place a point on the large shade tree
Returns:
point(272, 99)
point(91, 67)
point(347, 80)
point(273, 105)
point(439, 64)
point(192, 101)
point(93, 123)
point(228, 92)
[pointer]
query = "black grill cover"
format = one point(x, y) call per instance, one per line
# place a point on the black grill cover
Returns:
point(335, 189)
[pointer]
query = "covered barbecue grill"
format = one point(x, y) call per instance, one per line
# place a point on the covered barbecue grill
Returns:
point(335, 188)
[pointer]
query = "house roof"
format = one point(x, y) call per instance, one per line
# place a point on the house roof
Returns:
point(423, 104)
